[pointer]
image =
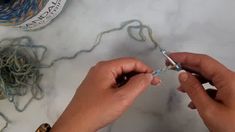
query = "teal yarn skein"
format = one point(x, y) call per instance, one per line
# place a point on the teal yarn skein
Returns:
point(29, 14)
point(15, 12)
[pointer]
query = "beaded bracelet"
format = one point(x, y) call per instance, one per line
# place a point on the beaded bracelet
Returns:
point(44, 128)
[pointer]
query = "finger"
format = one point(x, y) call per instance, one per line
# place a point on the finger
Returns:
point(156, 81)
point(197, 75)
point(125, 65)
point(211, 92)
point(181, 89)
point(124, 78)
point(201, 79)
point(191, 106)
point(136, 85)
point(195, 91)
point(204, 65)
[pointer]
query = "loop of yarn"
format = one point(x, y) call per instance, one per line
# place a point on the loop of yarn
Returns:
point(21, 61)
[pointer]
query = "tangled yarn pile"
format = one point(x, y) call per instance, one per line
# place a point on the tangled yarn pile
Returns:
point(19, 69)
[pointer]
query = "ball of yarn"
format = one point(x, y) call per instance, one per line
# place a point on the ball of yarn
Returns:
point(15, 12)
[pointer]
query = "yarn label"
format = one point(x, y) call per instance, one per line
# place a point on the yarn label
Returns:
point(45, 16)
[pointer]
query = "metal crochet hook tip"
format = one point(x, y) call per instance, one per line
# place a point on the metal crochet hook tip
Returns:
point(176, 66)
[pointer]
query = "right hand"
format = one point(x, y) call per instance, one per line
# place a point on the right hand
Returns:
point(219, 113)
point(99, 100)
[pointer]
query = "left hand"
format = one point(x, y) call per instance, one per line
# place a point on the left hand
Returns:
point(99, 101)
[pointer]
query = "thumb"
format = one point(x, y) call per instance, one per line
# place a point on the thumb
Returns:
point(137, 84)
point(195, 91)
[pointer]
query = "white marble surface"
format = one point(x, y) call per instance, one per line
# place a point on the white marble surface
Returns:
point(204, 26)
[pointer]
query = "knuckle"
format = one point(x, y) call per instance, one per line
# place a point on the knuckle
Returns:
point(92, 69)
point(205, 56)
point(139, 63)
point(233, 74)
point(101, 64)
point(99, 67)
point(192, 86)
point(132, 59)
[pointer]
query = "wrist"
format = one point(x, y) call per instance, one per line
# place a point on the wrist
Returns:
point(72, 127)
point(74, 123)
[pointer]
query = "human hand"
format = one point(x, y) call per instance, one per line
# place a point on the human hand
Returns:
point(99, 101)
point(219, 113)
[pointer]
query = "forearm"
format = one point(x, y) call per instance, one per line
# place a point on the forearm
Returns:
point(72, 120)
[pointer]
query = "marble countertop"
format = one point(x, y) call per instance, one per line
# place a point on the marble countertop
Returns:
point(203, 26)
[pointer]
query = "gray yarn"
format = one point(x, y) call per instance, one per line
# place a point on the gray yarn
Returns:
point(21, 61)
point(141, 37)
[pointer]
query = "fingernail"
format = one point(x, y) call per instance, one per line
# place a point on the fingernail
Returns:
point(191, 105)
point(156, 81)
point(181, 71)
point(180, 89)
point(183, 76)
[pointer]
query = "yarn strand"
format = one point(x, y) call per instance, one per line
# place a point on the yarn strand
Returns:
point(21, 61)
point(141, 37)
